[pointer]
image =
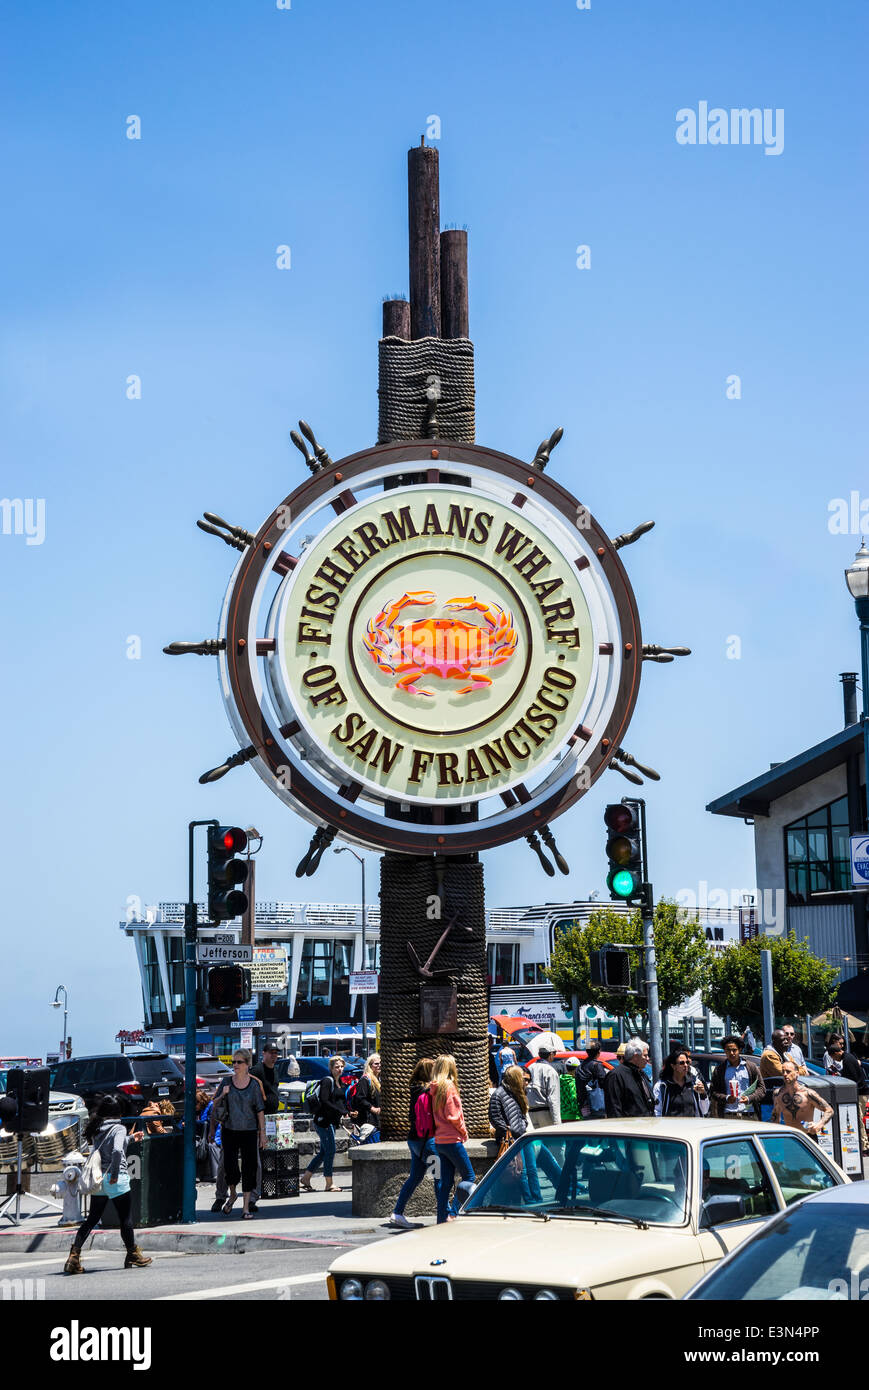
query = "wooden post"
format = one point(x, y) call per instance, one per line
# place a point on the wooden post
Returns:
point(396, 318)
point(424, 215)
point(454, 285)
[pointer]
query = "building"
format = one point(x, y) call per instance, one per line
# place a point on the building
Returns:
point(314, 1010)
point(803, 812)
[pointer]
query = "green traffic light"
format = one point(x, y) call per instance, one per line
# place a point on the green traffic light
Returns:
point(623, 883)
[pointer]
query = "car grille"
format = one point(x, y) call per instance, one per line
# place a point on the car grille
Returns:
point(439, 1288)
point(62, 1105)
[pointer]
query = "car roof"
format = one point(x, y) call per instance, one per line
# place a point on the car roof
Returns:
point(849, 1193)
point(97, 1056)
point(702, 1127)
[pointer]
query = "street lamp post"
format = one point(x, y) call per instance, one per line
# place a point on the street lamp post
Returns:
point(55, 1004)
point(857, 579)
point(339, 849)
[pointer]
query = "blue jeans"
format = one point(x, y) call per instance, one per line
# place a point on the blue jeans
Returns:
point(420, 1150)
point(326, 1152)
point(455, 1156)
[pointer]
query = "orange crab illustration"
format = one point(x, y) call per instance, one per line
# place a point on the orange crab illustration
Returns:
point(445, 647)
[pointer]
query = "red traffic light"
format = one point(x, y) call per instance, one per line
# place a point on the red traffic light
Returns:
point(234, 840)
point(619, 818)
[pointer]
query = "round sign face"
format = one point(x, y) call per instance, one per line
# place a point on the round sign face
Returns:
point(434, 645)
point(427, 660)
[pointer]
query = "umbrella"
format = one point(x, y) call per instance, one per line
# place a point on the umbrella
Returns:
point(851, 1021)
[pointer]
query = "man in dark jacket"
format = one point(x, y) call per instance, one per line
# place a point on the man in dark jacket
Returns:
point(265, 1071)
point(628, 1091)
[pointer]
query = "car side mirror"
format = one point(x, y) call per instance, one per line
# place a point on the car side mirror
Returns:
point(718, 1211)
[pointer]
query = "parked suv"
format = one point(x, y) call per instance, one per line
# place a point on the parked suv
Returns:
point(132, 1078)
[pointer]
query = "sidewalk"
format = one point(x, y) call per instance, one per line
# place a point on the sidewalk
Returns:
point(312, 1218)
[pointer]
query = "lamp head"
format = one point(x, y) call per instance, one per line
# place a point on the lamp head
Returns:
point(857, 575)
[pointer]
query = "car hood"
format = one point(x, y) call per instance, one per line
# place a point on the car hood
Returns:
point(505, 1249)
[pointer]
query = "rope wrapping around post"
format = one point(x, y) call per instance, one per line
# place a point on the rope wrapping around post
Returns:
point(408, 886)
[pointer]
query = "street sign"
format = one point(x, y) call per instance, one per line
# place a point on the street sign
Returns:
point(211, 953)
point(269, 971)
point(246, 1023)
point(364, 982)
point(246, 1037)
point(860, 861)
point(225, 938)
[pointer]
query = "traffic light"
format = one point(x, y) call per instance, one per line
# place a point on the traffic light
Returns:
point(228, 986)
point(225, 902)
point(611, 968)
point(624, 847)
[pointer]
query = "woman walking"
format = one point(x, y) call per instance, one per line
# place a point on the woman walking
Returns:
point(421, 1147)
point(105, 1132)
point(677, 1092)
point(450, 1135)
point(239, 1104)
point(331, 1111)
point(366, 1101)
point(508, 1106)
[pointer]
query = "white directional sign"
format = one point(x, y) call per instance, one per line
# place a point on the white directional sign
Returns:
point(365, 982)
point(860, 861)
point(210, 953)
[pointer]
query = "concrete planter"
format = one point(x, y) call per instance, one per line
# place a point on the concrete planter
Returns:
point(379, 1170)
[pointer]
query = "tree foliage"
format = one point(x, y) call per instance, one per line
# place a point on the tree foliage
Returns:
point(683, 955)
point(802, 983)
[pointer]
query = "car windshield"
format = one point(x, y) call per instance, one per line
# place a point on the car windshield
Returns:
point(636, 1178)
point(820, 1250)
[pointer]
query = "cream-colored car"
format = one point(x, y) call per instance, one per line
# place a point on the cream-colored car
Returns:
point(605, 1209)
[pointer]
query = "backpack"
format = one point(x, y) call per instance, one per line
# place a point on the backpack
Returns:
point(594, 1095)
point(350, 1093)
point(311, 1095)
point(423, 1116)
point(91, 1179)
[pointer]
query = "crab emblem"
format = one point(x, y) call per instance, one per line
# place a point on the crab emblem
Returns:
point(445, 647)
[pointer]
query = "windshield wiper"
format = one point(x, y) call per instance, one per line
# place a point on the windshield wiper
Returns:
point(503, 1211)
point(600, 1211)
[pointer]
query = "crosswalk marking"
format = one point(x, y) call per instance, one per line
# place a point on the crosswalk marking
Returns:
point(229, 1289)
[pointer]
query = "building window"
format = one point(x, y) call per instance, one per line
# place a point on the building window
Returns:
point(175, 969)
point(503, 964)
point(153, 989)
point(325, 965)
point(372, 956)
point(532, 973)
point(817, 853)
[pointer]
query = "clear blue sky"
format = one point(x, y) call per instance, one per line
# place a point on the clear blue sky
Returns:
point(156, 257)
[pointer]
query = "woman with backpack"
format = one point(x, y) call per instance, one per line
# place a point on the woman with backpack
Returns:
point(450, 1135)
point(508, 1107)
point(330, 1110)
point(107, 1136)
point(592, 1078)
point(366, 1102)
point(421, 1144)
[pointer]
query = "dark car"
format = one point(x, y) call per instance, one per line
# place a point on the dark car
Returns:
point(210, 1071)
point(814, 1250)
point(134, 1079)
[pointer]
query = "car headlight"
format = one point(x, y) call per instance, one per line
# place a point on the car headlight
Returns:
point(350, 1291)
point(510, 1295)
point(377, 1291)
point(546, 1295)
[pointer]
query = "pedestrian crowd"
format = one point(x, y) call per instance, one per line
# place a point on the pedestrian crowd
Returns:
point(547, 1091)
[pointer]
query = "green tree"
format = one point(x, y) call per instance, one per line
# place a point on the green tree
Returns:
point(802, 983)
point(683, 955)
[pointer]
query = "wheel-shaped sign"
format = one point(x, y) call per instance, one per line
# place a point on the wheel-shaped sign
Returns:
point(429, 647)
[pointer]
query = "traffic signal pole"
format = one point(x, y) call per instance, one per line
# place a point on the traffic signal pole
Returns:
point(628, 882)
point(189, 1203)
point(655, 1049)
